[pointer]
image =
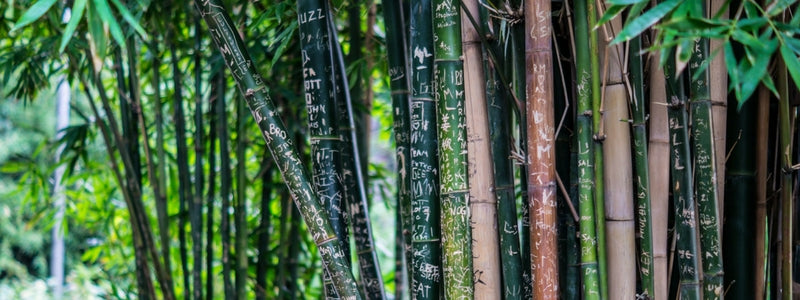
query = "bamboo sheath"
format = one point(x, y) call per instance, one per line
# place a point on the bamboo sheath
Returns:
point(299, 183)
point(482, 198)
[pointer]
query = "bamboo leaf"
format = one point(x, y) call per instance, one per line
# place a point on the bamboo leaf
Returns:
point(98, 36)
point(626, 2)
point(778, 7)
point(284, 43)
point(610, 13)
point(751, 24)
point(105, 14)
point(77, 13)
point(35, 12)
point(646, 20)
point(792, 63)
point(129, 18)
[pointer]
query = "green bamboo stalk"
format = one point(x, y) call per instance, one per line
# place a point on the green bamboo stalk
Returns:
point(241, 230)
point(452, 133)
point(398, 80)
point(217, 83)
point(682, 186)
point(225, 187)
point(500, 116)
point(353, 181)
point(196, 209)
point(264, 228)
point(482, 199)
point(786, 118)
point(704, 160)
point(642, 177)
point(586, 206)
point(541, 175)
point(760, 212)
point(287, 159)
point(324, 131)
point(518, 73)
point(426, 271)
point(160, 172)
point(598, 134)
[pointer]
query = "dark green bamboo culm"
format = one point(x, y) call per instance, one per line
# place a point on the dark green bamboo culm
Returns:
point(704, 161)
point(352, 176)
point(224, 185)
point(318, 78)
point(240, 226)
point(161, 173)
point(452, 133)
point(264, 231)
point(499, 103)
point(586, 157)
point(217, 83)
point(786, 119)
point(682, 185)
point(398, 79)
point(281, 146)
point(642, 177)
point(426, 270)
point(196, 209)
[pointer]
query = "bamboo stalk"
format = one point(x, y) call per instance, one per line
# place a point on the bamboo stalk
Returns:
point(264, 228)
point(324, 131)
point(196, 210)
point(453, 157)
point(500, 118)
point(482, 197)
point(396, 45)
point(658, 171)
point(599, 135)
point(760, 220)
point(583, 122)
point(225, 187)
point(739, 240)
point(353, 181)
point(786, 125)
point(282, 149)
point(704, 162)
point(682, 186)
point(217, 83)
point(426, 271)
point(618, 178)
point(642, 179)
point(718, 77)
point(160, 172)
point(541, 143)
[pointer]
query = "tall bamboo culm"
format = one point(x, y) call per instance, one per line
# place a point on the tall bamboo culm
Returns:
point(426, 271)
point(682, 186)
point(299, 183)
point(499, 105)
point(704, 161)
point(617, 169)
point(482, 198)
point(658, 170)
point(399, 81)
point(786, 116)
point(585, 144)
point(326, 142)
point(452, 132)
point(541, 175)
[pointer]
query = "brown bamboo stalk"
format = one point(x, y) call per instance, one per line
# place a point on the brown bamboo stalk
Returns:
point(762, 152)
point(659, 176)
point(541, 145)
point(482, 202)
point(618, 179)
point(719, 107)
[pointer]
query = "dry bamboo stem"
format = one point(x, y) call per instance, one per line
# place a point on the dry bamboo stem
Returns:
point(659, 177)
point(762, 151)
point(618, 180)
point(482, 202)
point(719, 107)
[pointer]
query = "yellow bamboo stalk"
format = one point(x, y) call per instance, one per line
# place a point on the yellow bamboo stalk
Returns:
point(659, 176)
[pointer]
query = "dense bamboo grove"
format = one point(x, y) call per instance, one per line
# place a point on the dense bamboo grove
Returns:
point(502, 149)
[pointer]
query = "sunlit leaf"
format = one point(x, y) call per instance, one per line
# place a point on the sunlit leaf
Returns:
point(77, 13)
point(107, 16)
point(649, 18)
point(35, 12)
point(129, 18)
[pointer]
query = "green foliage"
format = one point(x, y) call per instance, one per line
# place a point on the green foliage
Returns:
point(761, 30)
